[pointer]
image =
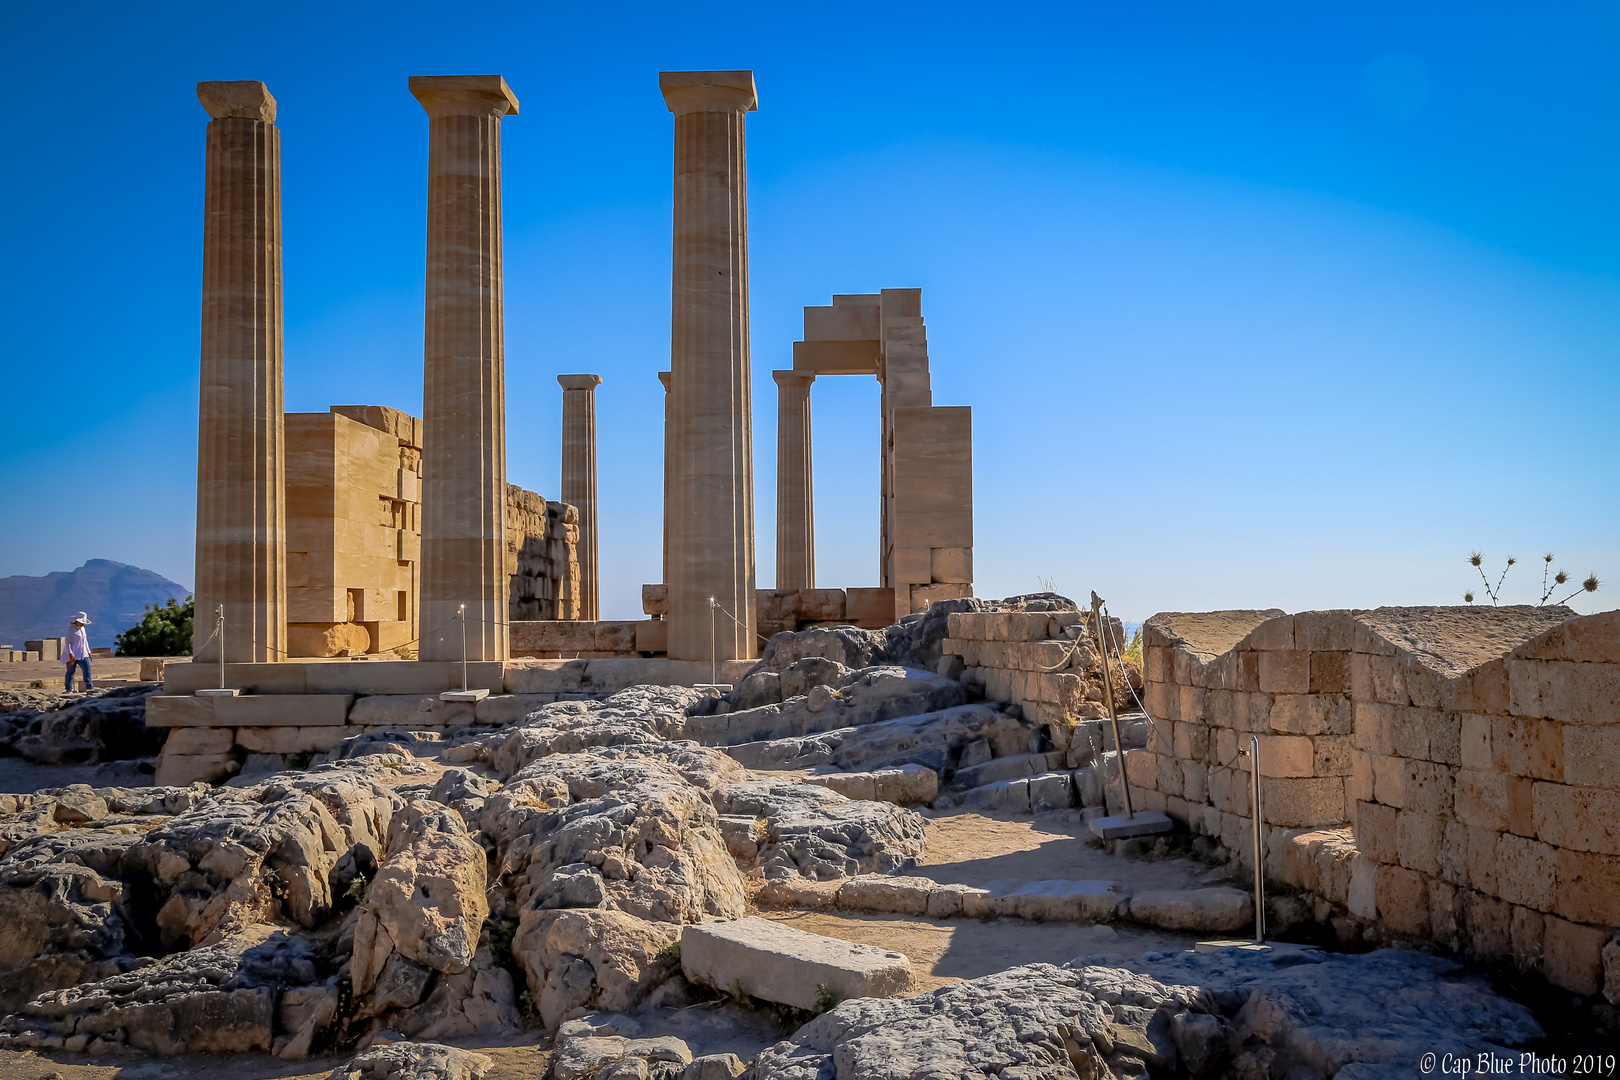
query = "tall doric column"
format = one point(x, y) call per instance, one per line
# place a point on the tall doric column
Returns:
point(464, 369)
point(711, 542)
point(579, 479)
point(795, 483)
point(669, 456)
point(241, 465)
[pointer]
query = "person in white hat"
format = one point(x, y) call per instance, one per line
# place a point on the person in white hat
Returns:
point(77, 653)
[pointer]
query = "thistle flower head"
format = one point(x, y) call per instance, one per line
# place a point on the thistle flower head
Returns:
point(1549, 557)
point(1511, 560)
point(1468, 597)
point(1591, 583)
point(1476, 558)
point(1561, 577)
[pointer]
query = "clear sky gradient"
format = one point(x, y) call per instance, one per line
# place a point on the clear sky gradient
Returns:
point(1256, 305)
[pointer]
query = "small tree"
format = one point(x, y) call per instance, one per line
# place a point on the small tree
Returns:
point(165, 630)
point(1551, 580)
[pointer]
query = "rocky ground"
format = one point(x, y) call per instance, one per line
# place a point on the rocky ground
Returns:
point(523, 893)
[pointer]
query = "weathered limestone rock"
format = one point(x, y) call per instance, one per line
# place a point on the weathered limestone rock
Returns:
point(778, 963)
point(642, 716)
point(862, 697)
point(61, 923)
point(623, 831)
point(708, 449)
point(464, 370)
point(241, 464)
point(415, 1061)
point(108, 727)
point(590, 959)
point(579, 479)
point(321, 639)
point(422, 913)
point(819, 834)
point(909, 785)
point(600, 1046)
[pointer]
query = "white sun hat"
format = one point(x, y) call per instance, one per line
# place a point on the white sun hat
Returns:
point(81, 617)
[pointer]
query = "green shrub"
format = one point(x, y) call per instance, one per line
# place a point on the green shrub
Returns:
point(500, 933)
point(165, 630)
point(669, 957)
point(357, 888)
point(827, 998)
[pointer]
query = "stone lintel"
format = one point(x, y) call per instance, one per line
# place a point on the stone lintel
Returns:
point(464, 95)
point(708, 91)
point(790, 377)
point(579, 382)
point(249, 99)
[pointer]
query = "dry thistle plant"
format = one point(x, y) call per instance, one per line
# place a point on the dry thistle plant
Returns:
point(1551, 580)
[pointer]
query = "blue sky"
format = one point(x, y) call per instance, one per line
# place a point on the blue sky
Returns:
point(1256, 305)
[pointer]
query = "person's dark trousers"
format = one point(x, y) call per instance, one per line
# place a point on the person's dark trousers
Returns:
point(85, 666)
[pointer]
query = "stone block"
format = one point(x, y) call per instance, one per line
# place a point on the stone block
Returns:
point(1011, 796)
point(1285, 672)
point(1481, 799)
point(1050, 791)
point(1428, 787)
point(1332, 755)
point(1474, 742)
point(1483, 690)
point(1611, 972)
point(1168, 778)
point(1403, 902)
point(1591, 755)
point(798, 892)
point(1375, 830)
point(883, 893)
point(1190, 704)
point(1454, 853)
point(1520, 805)
point(1229, 791)
point(1271, 635)
point(410, 710)
point(779, 963)
point(1560, 690)
point(199, 740)
point(1445, 921)
point(1588, 888)
point(954, 565)
point(174, 710)
point(1482, 860)
point(1445, 736)
point(1375, 727)
point(948, 901)
point(1142, 768)
point(1329, 672)
point(1378, 678)
point(1284, 755)
point(1572, 955)
point(1526, 872)
point(1063, 901)
point(289, 740)
point(1358, 786)
point(1528, 747)
point(1418, 839)
point(183, 770)
point(1219, 909)
point(1389, 780)
point(1296, 801)
point(1190, 742)
point(1584, 819)
point(1526, 930)
point(1488, 924)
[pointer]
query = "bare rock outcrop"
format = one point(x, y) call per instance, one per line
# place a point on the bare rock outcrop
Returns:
point(415, 1061)
point(107, 726)
point(636, 716)
point(866, 696)
point(578, 959)
point(802, 829)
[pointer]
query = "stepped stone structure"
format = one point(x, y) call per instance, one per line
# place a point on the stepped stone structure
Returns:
point(354, 530)
point(241, 514)
point(795, 484)
point(579, 479)
point(708, 452)
point(464, 369)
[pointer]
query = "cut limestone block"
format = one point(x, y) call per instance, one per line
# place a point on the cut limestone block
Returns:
point(183, 770)
point(781, 964)
point(1220, 909)
point(1142, 823)
point(1064, 901)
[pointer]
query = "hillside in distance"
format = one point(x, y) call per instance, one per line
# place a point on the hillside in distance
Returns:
point(113, 594)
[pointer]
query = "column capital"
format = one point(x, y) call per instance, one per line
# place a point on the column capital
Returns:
point(464, 95)
point(790, 377)
point(579, 382)
point(664, 377)
point(250, 100)
point(708, 91)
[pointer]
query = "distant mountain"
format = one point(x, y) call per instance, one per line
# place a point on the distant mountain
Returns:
point(113, 594)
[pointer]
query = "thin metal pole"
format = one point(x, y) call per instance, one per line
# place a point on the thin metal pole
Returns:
point(1259, 851)
point(463, 613)
point(1108, 699)
point(714, 663)
point(219, 628)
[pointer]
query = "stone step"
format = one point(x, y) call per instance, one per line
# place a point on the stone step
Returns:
point(1006, 768)
point(791, 967)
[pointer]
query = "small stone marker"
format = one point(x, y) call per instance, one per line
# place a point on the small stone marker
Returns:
point(465, 695)
point(781, 964)
point(1142, 823)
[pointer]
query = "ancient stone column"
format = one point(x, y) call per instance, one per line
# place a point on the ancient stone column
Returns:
point(795, 483)
point(663, 380)
point(711, 542)
point(464, 370)
point(579, 479)
point(241, 465)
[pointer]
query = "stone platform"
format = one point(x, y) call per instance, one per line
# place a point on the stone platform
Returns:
point(311, 705)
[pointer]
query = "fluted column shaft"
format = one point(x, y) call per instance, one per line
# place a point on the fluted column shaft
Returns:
point(464, 371)
point(241, 464)
point(669, 457)
point(795, 483)
point(579, 480)
point(711, 545)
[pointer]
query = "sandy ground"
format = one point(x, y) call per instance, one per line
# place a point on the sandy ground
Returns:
point(110, 671)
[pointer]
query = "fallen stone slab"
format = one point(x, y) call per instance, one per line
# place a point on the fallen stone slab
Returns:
point(1217, 909)
point(1141, 823)
point(1058, 901)
point(778, 963)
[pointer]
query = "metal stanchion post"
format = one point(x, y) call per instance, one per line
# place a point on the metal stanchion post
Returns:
point(461, 613)
point(1259, 850)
